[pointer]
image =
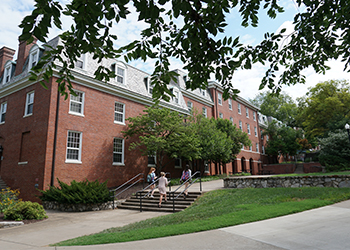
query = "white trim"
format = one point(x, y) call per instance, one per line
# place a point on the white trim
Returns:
point(118, 112)
point(28, 99)
point(33, 56)
point(239, 108)
point(230, 104)
point(79, 149)
point(3, 110)
point(220, 99)
point(119, 153)
point(82, 103)
point(205, 112)
point(22, 163)
point(7, 72)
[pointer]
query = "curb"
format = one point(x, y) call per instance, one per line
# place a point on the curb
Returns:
point(10, 224)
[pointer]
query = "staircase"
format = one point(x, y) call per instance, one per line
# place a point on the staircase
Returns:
point(151, 204)
point(299, 169)
point(2, 184)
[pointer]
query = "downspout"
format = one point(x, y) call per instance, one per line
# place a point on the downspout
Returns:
point(55, 140)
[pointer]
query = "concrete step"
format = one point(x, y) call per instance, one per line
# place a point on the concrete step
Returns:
point(151, 204)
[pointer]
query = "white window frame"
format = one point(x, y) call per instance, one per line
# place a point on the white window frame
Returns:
point(263, 149)
point(242, 148)
point(231, 119)
point(255, 131)
point(203, 92)
point(120, 75)
point(239, 109)
point(267, 137)
point(250, 148)
point(254, 116)
point(78, 148)
point(247, 112)
point(180, 161)
point(33, 56)
point(189, 106)
point(262, 135)
point(248, 128)
point(221, 115)
point(74, 101)
point(205, 112)
point(119, 112)
point(7, 72)
point(220, 99)
point(240, 125)
point(176, 96)
point(230, 104)
point(257, 147)
point(81, 62)
point(3, 109)
point(29, 101)
point(118, 151)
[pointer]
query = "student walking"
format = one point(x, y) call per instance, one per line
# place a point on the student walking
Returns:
point(186, 174)
point(150, 178)
point(162, 184)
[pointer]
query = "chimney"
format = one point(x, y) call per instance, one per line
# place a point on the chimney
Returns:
point(23, 52)
point(5, 55)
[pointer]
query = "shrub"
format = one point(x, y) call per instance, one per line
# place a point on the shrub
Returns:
point(84, 192)
point(25, 210)
point(8, 198)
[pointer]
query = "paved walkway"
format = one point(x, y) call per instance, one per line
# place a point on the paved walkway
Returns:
point(322, 228)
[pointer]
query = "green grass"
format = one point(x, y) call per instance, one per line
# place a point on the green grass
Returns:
point(220, 208)
point(316, 174)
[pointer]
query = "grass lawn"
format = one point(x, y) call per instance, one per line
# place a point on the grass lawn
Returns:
point(220, 208)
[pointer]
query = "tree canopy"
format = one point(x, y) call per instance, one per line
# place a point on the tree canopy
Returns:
point(163, 134)
point(282, 106)
point(321, 32)
point(324, 108)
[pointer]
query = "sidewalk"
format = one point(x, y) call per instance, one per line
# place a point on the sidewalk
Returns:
point(322, 228)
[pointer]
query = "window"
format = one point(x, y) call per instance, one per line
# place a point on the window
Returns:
point(202, 92)
point(239, 108)
point(176, 96)
point(185, 78)
point(257, 147)
point(240, 125)
point(254, 115)
point(248, 129)
point(189, 106)
point(74, 141)
point(3, 109)
point(230, 104)
point(152, 160)
point(219, 99)
point(231, 119)
point(29, 104)
point(256, 132)
point(267, 137)
point(263, 149)
point(33, 56)
point(7, 74)
point(205, 112)
point(80, 63)
point(119, 112)
point(76, 105)
point(242, 146)
point(145, 81)
point(250, 148)
point(221, 115)
point(118, 151)
point(247, 112)
point(25, 150)
point(120, 75)
point(178, 163)
point(262, 135)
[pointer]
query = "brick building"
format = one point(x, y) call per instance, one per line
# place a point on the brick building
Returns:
point(45, 137)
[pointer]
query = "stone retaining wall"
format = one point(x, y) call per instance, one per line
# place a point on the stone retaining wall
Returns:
point(53, 205)
point(288, 181)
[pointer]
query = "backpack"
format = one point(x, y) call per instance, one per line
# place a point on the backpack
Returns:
point(149, 178)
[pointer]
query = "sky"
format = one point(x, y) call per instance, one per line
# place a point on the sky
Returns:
point(247, 81)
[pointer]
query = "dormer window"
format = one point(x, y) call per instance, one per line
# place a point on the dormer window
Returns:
point(7, 75)
point(202, 92)
point(80, 63)
point(33, 56)
point(120, 75)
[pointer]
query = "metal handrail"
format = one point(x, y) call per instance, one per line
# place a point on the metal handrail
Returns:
point(147, 194)
point(187, 181)
point(126, 183)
